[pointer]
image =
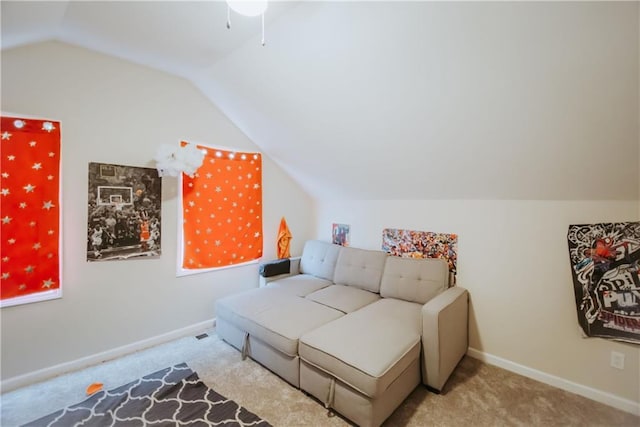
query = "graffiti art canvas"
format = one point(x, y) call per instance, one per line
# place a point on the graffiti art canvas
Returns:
point(123, 212)
point(606, 279)
point(422, 244)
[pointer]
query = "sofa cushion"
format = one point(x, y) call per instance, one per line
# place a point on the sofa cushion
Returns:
point(300, 284)
point(369, 348)
point(274, 317)
point(343, 298)
point(360, 268)
point(415, 280)
point(319, 259)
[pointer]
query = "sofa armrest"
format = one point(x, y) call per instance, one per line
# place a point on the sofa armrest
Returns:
point(294, 268)
point(445, 335)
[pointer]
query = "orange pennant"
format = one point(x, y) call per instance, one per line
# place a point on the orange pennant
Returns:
point(284, 240)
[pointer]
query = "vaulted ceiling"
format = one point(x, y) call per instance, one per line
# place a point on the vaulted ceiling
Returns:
point(397, 100)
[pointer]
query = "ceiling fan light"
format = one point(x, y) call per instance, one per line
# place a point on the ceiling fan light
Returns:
point(248, 7)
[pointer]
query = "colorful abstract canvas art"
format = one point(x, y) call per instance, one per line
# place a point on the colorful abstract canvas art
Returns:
point(422, 244)
point(605, 266)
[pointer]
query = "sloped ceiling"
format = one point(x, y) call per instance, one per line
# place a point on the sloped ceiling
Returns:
point(397, 100)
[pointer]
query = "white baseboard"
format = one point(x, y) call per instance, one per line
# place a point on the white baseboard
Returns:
point(84, 362)
point(561, 383)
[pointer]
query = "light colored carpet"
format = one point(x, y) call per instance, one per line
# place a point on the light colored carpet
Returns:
point(477, 394)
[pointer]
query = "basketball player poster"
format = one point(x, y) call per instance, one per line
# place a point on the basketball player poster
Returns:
point(124, 205)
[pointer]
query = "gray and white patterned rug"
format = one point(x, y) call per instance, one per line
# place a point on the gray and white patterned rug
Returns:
point(173, 396)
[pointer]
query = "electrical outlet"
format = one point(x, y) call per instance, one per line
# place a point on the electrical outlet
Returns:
point(617, 360)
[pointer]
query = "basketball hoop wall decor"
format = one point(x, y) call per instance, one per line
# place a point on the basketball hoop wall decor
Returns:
point(124, 207)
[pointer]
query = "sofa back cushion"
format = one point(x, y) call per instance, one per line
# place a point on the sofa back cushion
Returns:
point(319, 259)
point(414, 280)
point(361, 268)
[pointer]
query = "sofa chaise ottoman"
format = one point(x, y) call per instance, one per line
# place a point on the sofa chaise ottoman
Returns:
point(355, 328)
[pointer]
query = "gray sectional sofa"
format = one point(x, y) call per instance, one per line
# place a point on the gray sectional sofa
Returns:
point(357, 329)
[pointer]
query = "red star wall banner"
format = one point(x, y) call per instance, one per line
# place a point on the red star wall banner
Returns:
point(222, 210)
point(30, 209)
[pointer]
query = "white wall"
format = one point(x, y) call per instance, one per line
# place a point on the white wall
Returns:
point(344, 91)
point(514, 260)
point(115, 112)
point(513, 252)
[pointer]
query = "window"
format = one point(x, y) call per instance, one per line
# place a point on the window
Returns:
point(221, 211)
point(30, 211)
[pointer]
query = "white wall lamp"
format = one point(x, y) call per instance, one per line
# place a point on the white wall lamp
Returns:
point(247, 8)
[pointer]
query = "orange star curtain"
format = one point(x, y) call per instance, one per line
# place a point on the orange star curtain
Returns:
point(222, 210)
point(284, 240)
point(30, 188)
